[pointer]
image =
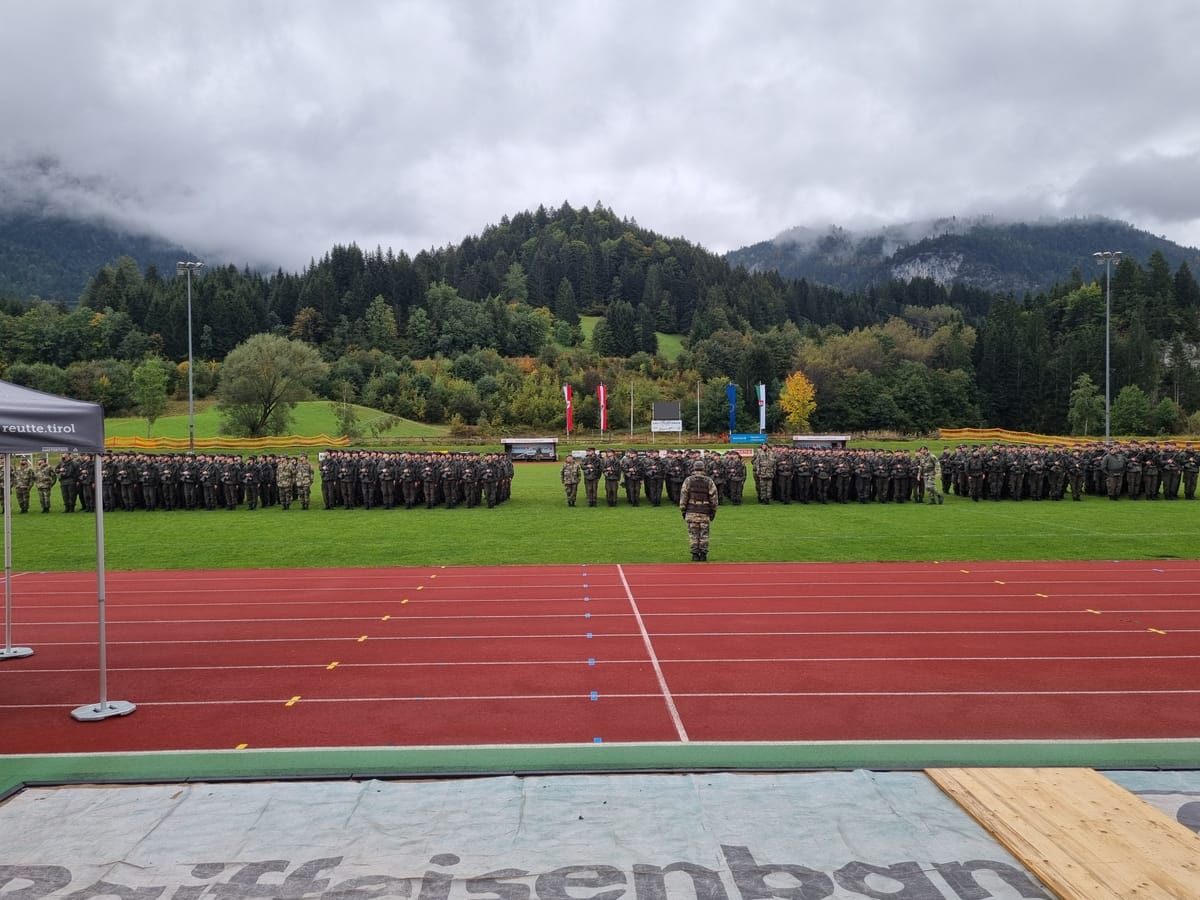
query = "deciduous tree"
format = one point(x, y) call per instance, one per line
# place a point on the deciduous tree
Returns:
point(798, 400)
point(262, 380)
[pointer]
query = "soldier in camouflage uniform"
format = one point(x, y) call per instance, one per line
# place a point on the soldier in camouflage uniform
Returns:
point(23, 478)
point(735, 476)
point(570, 475)
point(698, 500)
point(44, 477)
point(285, 480)
point(763, 467)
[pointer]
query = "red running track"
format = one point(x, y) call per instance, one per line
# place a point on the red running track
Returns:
point(577, 654)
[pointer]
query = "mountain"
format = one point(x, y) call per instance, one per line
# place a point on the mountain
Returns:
point(54, 258)
point(999, 257)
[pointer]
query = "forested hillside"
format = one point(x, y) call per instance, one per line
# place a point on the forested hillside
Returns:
point(54, 258)
point(485, 333)
point(999, 257)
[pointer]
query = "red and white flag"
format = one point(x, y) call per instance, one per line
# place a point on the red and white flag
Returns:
point(602, 396)
point(570, 417)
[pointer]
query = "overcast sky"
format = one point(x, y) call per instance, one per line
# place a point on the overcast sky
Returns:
point(265, 132)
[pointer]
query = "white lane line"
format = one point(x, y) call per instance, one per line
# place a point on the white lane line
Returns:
point(658, 672)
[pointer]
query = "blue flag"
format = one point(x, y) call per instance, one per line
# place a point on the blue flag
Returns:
point(731, 393)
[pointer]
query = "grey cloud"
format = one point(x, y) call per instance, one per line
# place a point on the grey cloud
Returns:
point(267, 132)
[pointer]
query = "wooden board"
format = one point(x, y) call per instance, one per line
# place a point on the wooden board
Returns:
point(1084, 836)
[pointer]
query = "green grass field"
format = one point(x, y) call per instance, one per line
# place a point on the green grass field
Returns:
point(312, 417)
point(536, 526)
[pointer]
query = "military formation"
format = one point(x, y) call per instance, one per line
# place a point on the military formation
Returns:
point(632, 476)
point(349, 479)
point(1124, 469)
point(1131, 469)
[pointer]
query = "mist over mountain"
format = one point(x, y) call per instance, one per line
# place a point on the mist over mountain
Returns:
point(1001, 257)
point(54, 257)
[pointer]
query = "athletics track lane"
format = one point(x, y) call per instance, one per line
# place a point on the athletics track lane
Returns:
point(557, 654)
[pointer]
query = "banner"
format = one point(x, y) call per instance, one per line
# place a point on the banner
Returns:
point(731, 393)
point(762, 408)
point(570, 417)
point(602, 396)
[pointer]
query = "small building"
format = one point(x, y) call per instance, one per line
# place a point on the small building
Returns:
point(531, 449)
point(820, 441)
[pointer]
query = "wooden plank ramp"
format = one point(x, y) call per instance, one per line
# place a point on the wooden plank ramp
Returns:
point(1084, 836)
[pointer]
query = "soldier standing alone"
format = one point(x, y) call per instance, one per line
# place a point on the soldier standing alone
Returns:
point(698, 501)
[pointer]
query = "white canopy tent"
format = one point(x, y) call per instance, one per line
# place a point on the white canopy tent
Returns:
point(34, 422)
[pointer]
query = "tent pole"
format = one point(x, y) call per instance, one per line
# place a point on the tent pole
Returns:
point(9, 651)
point(105, 708)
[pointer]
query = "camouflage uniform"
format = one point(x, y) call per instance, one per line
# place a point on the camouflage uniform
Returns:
point(570, 475)
point(23, 478)
point(698, 500)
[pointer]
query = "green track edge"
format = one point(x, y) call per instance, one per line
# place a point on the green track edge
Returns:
point(17, 772)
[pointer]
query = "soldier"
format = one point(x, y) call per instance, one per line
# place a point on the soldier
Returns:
point(1150, 471)
point(44, 477)
point(735, 476)
point(862, 477)
point(147, 473)
point(450, 479)
point(285, 481)
point(591, 468)
point(610, 467)
point(1171, 460)
point(762, 467)
point(345, 480)
point(189, 478)
point(842, 471)
point(431, 476)
point(655, 470)
point(785, 467)
point(127, 476)
point(822, 476)
point(304, 480)
point(698, 500)
point(386, 474)
point(68, 481)
point(975, 474)
point(570, 475)
point(489, 477)
point(675, 471)
point(327, 468)
point(804, 468)
point(631, 469)
point(87, 483)
point(1133, 472)
point(168, 482)
point(881, 474)
point(23, 479)
point(1113, 467)
point(1190, 464)
point(410, 480)
point(470, 480)
point(1076, 472)
point(249, 479)
point(930, 469)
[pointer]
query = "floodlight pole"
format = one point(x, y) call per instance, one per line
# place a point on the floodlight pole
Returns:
point(188, 267)
point(1106, 258)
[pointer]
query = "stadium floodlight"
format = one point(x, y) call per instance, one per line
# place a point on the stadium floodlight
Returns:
point(189, 267)
point(1106, 258)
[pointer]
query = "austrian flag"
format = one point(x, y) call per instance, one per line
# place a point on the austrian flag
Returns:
point(602, 399)
point(570, 417)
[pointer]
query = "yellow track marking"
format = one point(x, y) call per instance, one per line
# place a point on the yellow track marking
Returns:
point(292, 702)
